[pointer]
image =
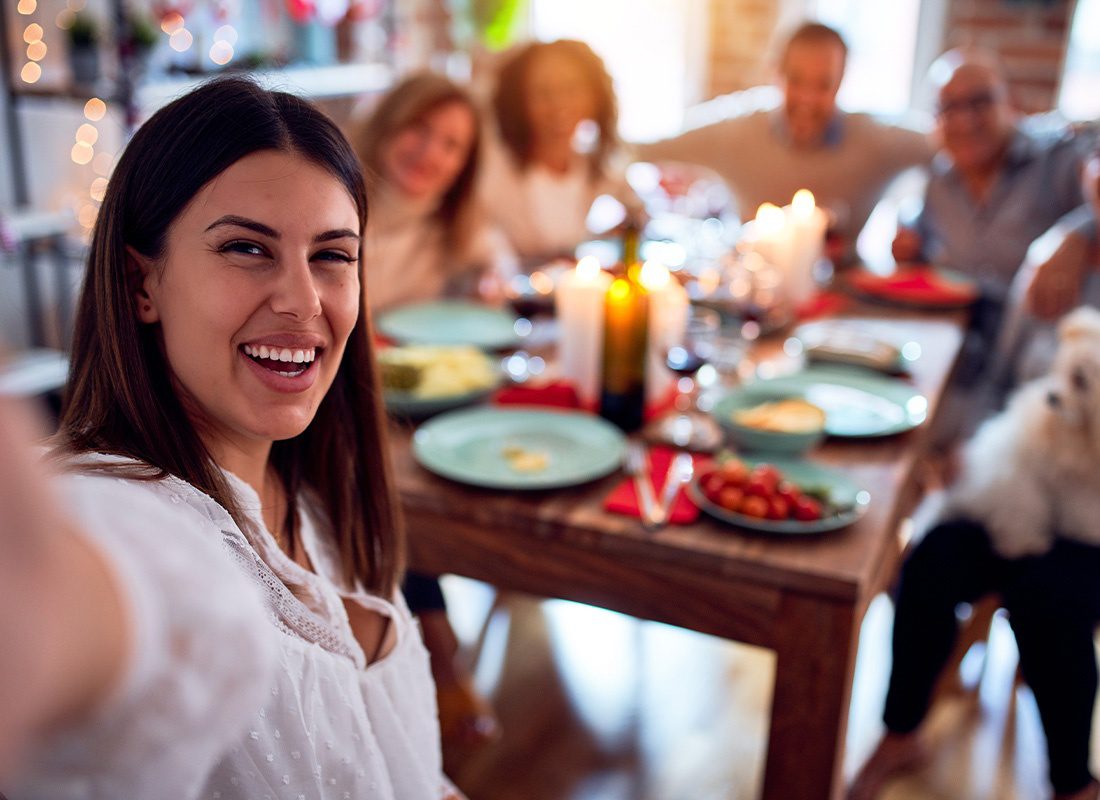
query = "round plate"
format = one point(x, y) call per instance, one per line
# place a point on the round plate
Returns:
point(925, 287)
point(482, 447)
point(450, 322)
point(858, 343)
point(841, 490)
point(858, 403)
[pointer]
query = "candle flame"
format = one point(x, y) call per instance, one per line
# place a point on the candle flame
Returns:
point(654, 276)
point(769, 218)
point(588, 269)
point(802, 205)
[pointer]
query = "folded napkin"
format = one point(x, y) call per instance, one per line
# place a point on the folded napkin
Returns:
point(623, 499)
point(922, 285)
point(823, 304)
point(558, 394)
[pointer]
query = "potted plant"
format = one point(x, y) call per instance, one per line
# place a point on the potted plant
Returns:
point(84, 49)
point(138, 41)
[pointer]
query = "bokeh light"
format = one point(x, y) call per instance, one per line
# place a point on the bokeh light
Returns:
point(95, 109)
point(82, 153)
point(87, 133)
point(181, 40)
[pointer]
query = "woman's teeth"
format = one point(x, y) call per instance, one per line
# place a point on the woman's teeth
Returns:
point(273, 357)
point(284, 354)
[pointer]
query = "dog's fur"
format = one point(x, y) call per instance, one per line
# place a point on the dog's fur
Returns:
point(1033, 471)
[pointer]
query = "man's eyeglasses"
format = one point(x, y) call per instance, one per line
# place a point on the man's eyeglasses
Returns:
point(974, 104)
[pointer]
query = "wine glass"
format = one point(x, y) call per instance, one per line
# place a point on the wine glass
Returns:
point(686, 349)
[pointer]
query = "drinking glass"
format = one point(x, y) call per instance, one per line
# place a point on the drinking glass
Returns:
point(687, 349)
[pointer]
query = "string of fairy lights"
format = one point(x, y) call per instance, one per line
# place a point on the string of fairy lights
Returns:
point(83, 153)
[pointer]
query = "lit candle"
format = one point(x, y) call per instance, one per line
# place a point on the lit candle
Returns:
point(579, 302)
point(668, 305)
point(807, 224)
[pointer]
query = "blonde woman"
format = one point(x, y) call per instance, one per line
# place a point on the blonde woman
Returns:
point(420, 149)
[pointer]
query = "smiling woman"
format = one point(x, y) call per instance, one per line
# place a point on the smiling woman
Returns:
point(224, 570)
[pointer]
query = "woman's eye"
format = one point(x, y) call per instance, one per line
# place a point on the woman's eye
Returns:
point(335, 255)
point(244, 248)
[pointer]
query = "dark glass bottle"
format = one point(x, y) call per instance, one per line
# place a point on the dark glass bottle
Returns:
point(625, 340)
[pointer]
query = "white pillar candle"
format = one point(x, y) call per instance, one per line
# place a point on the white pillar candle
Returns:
point(806, 223)
point(668, 305)
point(579, 303)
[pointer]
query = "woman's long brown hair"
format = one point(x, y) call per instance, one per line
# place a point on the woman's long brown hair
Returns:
point(120, 398)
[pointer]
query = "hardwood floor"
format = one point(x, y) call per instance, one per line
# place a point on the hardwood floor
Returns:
point(599, 706)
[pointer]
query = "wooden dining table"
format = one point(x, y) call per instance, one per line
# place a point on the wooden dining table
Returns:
point(804, 597)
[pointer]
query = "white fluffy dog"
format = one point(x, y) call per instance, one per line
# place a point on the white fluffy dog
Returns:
point(1033, 471)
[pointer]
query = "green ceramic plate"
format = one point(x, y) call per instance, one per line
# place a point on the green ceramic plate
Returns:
point(858, 403)
point(450, 322)
point(518, 448)
point(841, 490)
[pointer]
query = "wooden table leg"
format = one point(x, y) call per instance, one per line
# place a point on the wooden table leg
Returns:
point(815, 659)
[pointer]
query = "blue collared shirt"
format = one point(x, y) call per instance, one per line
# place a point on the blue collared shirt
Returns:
point(1039, 184)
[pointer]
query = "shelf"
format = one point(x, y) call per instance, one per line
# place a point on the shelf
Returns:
point(338, 80)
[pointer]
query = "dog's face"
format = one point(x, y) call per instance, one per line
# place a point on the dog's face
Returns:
point(1075, 378)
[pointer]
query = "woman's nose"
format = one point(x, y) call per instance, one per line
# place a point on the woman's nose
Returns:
point(295, 293)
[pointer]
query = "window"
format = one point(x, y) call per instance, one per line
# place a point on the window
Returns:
point(1079, 98)
point(651, 48)
point(882, 42)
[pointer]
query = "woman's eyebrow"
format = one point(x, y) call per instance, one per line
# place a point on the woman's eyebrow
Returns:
point(340, 233)
point(244, 222)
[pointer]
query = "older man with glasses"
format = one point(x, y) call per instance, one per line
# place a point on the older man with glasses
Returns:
point(996, 185)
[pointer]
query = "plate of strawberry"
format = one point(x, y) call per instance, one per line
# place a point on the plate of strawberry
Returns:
point(786, 496)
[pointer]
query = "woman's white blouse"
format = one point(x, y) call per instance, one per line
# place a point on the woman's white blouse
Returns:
point(244, 680)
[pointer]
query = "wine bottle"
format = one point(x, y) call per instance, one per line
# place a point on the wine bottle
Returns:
point(625, 339)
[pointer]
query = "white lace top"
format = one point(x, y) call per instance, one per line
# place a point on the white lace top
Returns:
point(238, 687)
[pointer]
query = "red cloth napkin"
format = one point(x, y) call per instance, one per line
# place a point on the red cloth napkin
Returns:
point(562, 394)
point(624, 500)
point(823, 304)
point(558, 394)
point(920, 285)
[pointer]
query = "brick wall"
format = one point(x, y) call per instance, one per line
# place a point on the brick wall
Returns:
point(1029, 35)
point(741, 32)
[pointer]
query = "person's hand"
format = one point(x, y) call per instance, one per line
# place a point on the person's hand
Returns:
point(907, 246)
point(1055, 284)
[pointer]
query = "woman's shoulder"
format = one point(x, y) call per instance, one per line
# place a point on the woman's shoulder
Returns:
point(127, 485)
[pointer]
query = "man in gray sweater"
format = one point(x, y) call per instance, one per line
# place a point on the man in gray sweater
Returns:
point(847, 160)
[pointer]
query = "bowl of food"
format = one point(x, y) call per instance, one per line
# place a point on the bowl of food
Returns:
point(421, 380)
point(764, 421)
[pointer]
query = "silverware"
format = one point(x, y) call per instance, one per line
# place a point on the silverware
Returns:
point(679, 472)
point(636, 464)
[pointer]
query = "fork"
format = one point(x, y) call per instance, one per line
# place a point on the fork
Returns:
point(679, 472)
point(636, 465)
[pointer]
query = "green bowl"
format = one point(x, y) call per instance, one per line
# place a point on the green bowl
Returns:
point(755, 440)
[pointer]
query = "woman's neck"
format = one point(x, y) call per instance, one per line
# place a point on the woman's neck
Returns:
point(249, 461)
point(557, 155)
